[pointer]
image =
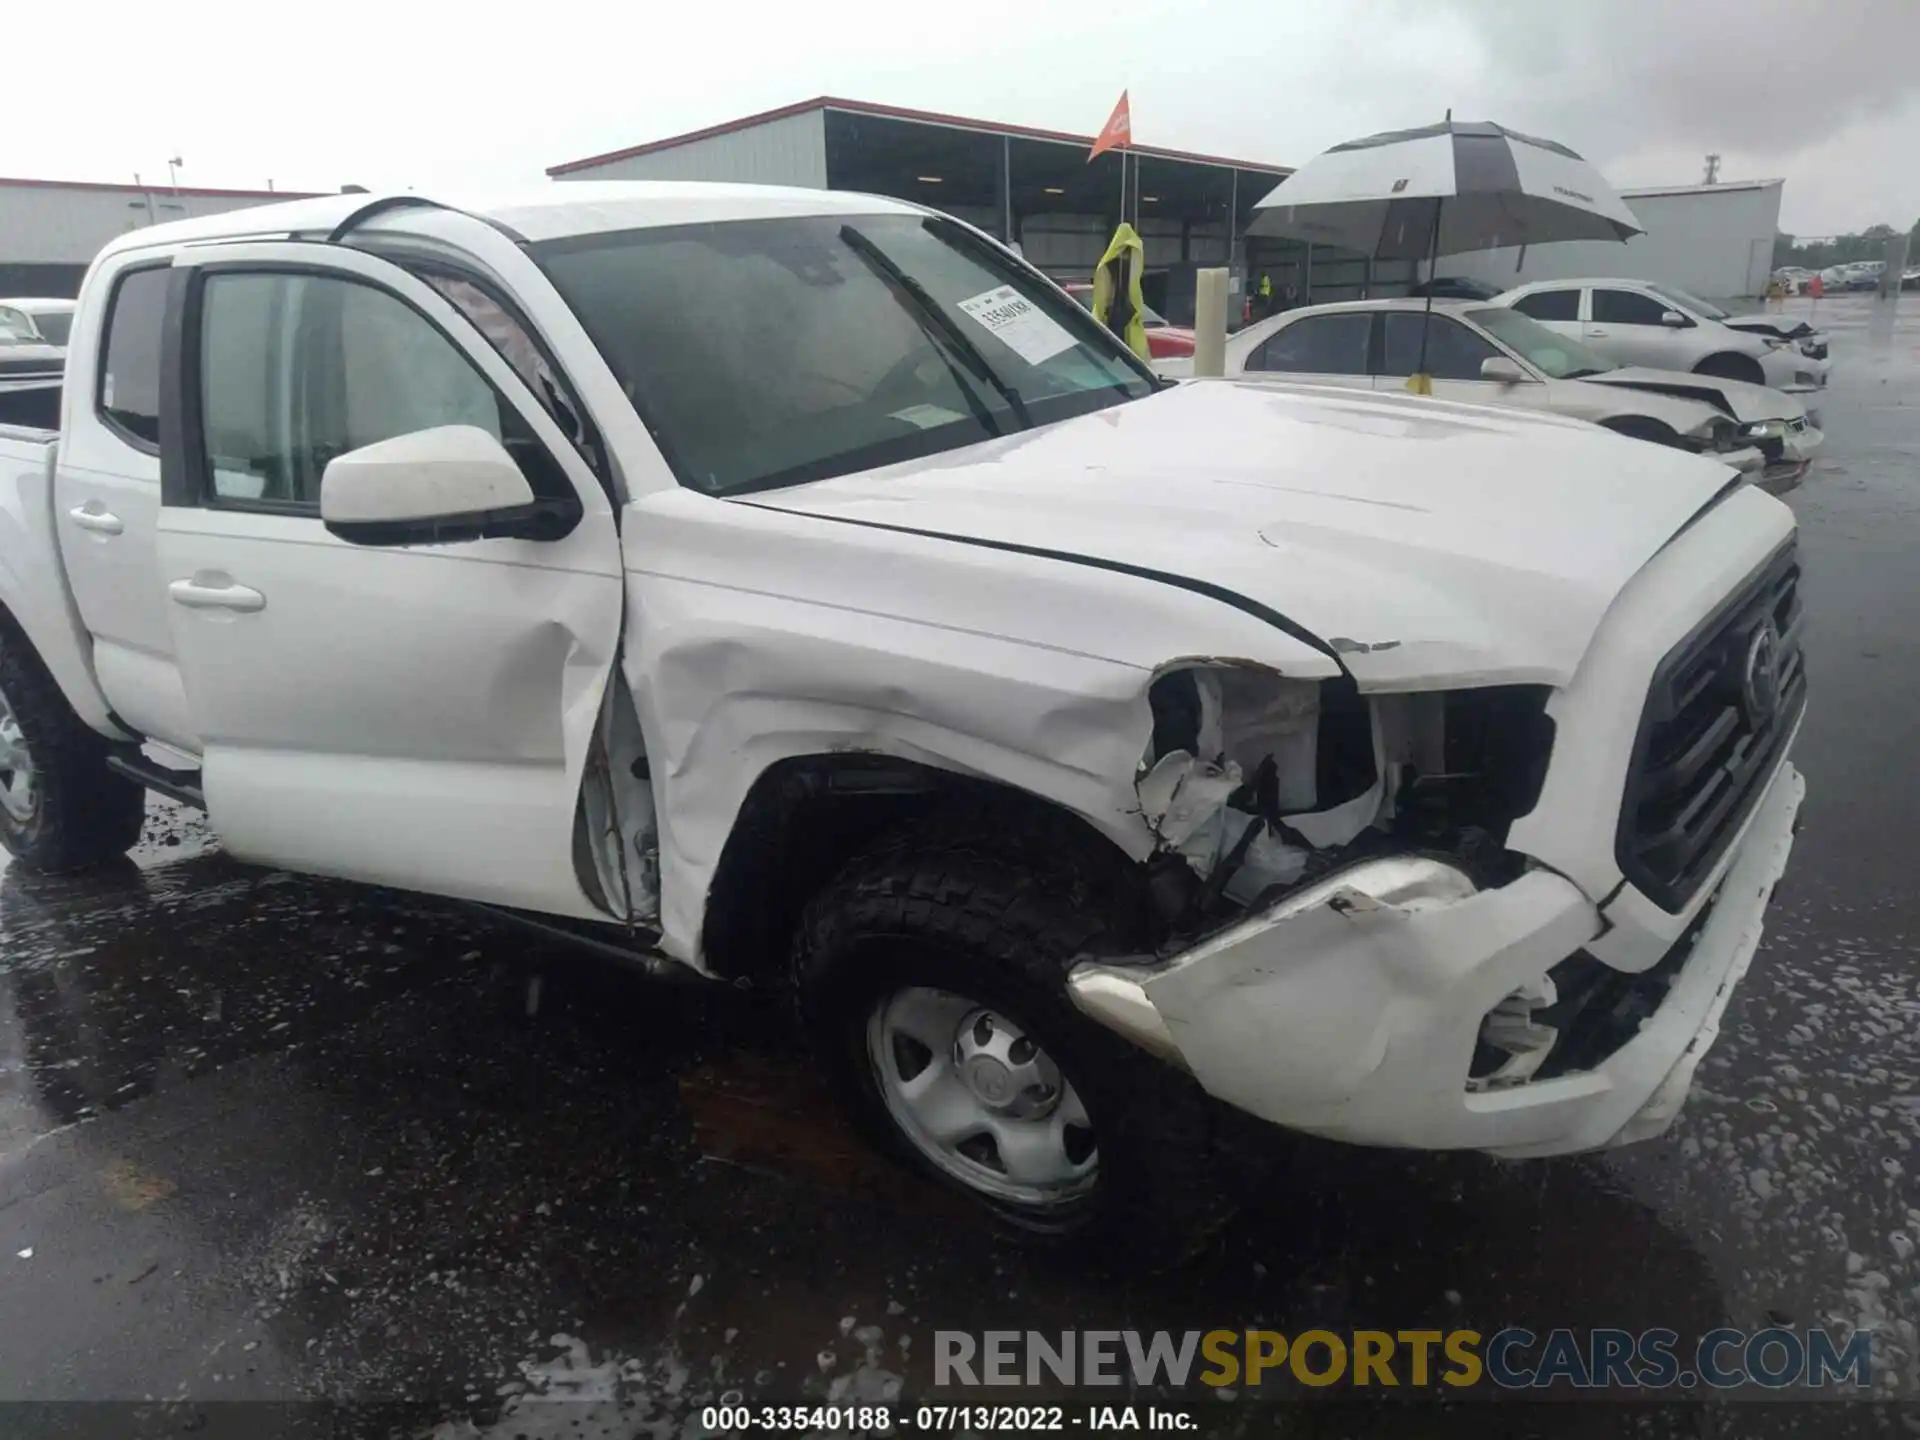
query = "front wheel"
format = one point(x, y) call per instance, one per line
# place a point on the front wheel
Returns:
point(1732, 367)
point(61, 809)
point(1639, 427)
point(932, 987)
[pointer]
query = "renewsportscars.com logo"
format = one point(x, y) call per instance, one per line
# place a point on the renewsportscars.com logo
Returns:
point(1510, 1359)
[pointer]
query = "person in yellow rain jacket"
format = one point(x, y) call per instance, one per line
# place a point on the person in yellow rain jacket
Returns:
point(1117, 301)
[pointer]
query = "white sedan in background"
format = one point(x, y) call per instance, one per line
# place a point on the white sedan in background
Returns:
point(38, 318)
point(1635, 322)
point(1491, 355)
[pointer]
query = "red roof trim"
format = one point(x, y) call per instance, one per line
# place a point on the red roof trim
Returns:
point(119, 188)
point(899, 112)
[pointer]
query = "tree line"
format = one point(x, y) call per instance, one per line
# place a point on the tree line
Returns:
point(1820, 252)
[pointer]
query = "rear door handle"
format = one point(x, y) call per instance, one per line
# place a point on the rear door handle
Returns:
point(223, 596)
point(96, 517)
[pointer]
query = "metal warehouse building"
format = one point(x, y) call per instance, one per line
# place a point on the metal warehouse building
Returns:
point(1036, 189)
point(51, 229)
point(1712, 240)
point(1032, 187)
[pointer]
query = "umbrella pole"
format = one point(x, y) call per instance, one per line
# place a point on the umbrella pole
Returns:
point(1421, 383)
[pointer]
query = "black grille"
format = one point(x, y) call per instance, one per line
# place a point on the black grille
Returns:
point(1709, 739)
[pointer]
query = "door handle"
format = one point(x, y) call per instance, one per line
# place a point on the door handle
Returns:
point(96, 517)
point(225, 596)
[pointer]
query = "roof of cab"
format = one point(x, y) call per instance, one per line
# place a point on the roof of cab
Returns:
point(548, 212)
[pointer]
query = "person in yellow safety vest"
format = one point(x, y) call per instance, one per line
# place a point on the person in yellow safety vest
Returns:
point(1266, 294)
point(1117, 301)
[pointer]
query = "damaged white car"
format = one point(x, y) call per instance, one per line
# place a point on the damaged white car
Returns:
point(799, 588)
point(1492, 355)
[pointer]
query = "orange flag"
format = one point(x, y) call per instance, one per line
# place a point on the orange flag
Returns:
point(1117, 131)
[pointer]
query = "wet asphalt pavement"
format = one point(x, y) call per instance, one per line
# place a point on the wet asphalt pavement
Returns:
point(270, 1138)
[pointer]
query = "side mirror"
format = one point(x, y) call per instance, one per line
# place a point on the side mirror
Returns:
point(1674, 320)
point(434, 487)
point(1500, 368)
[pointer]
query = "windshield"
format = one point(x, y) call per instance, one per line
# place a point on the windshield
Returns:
point(1689, 302)
point(1556, 355)
point(53, 325)
point(771, 352)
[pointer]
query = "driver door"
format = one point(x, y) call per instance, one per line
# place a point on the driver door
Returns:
point(1625, 326)
point(413, 715)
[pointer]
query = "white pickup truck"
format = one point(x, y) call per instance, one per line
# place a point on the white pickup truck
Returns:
point(799, 588)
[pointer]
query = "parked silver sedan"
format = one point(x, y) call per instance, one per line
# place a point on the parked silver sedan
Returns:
point(1491, 355)
point(1637, 322)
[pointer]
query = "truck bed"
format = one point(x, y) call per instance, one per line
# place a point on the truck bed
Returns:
point(33, 580)
point(30, 404)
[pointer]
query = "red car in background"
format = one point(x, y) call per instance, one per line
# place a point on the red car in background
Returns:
point(1163, 340)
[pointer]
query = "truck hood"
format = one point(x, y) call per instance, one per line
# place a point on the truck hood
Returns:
point(1427, 544)
point(1737, 398)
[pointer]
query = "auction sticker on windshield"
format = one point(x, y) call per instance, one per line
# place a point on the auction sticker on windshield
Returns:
point(1018, 323)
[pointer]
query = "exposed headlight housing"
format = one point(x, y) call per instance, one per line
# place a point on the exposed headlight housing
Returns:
point(1718, 436)
point(1764, 430)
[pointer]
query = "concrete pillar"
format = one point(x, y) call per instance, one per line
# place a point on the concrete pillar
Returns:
point(1210, 321)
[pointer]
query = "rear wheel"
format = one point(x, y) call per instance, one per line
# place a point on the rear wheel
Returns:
point(61, 809)
point(1732, 367)
point(932, 987)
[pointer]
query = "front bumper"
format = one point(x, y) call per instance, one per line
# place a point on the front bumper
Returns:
point(1356, 1018)
point(1795, 457)
point(1791, 370)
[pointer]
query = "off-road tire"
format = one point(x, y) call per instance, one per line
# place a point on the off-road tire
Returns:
point(84, 815)
point(963, 903)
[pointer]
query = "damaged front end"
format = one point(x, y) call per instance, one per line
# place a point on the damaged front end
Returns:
point(1255, 784)
point(1352, 949)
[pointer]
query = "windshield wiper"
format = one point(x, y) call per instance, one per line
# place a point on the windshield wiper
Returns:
point(1582, 374)
point(946, 335)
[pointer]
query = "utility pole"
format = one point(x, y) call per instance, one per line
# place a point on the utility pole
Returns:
point(1713, 170)
point(173, 173)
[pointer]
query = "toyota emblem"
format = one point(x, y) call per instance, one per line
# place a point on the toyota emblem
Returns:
point(1760, 682)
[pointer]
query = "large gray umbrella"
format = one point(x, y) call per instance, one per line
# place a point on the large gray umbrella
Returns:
point(1484, 184)
point(1441, 190)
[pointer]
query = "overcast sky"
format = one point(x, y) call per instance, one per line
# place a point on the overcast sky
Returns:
point(388, 93)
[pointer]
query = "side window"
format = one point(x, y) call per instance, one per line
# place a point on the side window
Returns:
point(516, 345)
point(129, 395)
point(1550, 304)
point(1627, 307)
point(298, 369)
point(1453, 351)
point(1317, 345)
